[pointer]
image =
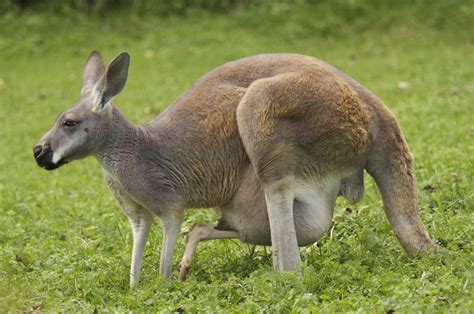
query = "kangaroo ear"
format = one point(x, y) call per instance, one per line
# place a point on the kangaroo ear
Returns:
point(93, 71)
point(112, 81)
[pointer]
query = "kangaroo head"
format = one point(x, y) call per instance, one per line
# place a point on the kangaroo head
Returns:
point(81, 130)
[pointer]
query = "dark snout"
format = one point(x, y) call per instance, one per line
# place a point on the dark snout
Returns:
point(44, 157)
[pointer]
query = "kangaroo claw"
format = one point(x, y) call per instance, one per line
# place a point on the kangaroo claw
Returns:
point(183, 269)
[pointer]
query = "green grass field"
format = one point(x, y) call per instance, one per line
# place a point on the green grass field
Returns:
point(65, 245)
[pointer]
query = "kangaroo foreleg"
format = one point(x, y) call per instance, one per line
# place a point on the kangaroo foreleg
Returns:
point(140, 221)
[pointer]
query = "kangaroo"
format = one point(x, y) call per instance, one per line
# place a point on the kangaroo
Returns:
point(270, 141)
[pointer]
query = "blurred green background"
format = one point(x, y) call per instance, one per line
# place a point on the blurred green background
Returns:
point(64, 244)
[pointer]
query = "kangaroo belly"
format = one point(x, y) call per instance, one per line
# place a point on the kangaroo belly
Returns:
point(312, 210)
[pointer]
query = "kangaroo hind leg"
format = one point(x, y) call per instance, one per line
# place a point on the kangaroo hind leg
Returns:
point(200, 232)
point(279, 197)
point(272, 150)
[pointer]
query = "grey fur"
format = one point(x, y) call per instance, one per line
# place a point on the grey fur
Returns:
point(270, 141)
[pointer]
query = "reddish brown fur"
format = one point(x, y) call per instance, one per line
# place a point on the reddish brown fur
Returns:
point(270, 140)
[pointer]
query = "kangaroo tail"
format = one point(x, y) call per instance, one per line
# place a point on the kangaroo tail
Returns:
point(391, 165)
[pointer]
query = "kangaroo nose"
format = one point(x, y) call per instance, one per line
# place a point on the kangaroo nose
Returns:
point(37, 150)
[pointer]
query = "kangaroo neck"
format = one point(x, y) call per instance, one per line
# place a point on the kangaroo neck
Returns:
point(120, 143)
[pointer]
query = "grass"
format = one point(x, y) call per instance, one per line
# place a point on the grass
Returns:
point(65, 246)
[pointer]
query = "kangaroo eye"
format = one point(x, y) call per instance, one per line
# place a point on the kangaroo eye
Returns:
point(70, 122)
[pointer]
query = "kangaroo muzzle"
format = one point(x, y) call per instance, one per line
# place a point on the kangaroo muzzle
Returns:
point(44, 157)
